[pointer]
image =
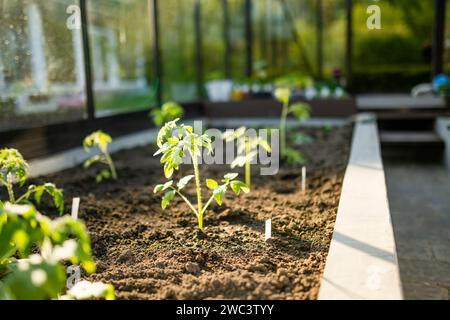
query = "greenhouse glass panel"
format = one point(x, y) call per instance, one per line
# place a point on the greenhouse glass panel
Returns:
point(399, 53)
point(178, 50)
point(41, 64)
point(284, 38)
point(120, 43)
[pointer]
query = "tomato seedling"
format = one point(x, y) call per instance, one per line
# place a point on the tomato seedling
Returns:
point(33, 249)
point(174, 142)
point(100, 140)
point(301, 111)
point(247, 149)
point(13, 168)
point(169, 111)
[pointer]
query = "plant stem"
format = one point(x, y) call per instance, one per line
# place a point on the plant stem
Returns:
point(185, 200)
point(199, 193)
point(9, 187)
point(284, 114)
point(111, 166)
point(248, 171)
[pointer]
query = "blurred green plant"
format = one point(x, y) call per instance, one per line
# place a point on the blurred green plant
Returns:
point(32, 251)
point(301, 111)
point(13, 168)
point(175, 142)
point(247, 149)
point(100, 140)
point(169, 111)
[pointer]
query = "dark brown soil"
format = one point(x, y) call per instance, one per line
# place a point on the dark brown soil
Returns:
point(148, 253)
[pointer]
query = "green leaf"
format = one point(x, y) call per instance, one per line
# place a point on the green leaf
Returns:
point(158, 188)
point(282, 95)
point(238, 186)
point(301, 111)
point(162, 187)
point(85, 290)
point(184, 181)
point(264, 144)
point(168, 171)
point(219, 194)
point(98, 139)
point(238, 162)
point(230, 176)
point(211, 184)
point(168, 196)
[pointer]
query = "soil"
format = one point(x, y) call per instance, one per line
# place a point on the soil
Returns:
point(148, 253)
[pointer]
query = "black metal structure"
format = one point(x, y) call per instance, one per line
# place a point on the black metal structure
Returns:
point(349, 44)
point(248, 38)
point(438, 36)
point(90, 103)
point(198, 46)
point(157, 58)
point(319, 26)
point(226, 39)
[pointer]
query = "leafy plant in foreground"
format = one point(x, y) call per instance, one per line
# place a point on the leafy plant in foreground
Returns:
point(13, 168)
point(247, 149)
point(175, 142)
point(100, 140)
point(169, 111)
point(300, 110)
point(41, 275)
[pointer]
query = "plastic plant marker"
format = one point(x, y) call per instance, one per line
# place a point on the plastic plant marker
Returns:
point(268, 233)
point(303, 179)
point(75, 208)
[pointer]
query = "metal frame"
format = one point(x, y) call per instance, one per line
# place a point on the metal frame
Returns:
point(438, 36)
point(90, 102)
point(198, 47)
point(157, 58)
point(248, 38)
point(349, 44)
point(226, 39)
point(319, 26)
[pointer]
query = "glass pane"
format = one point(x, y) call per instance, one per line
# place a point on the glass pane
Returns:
point(334, 37)
point(178, 50)
point(41, 63)
point(284, 37)
point(212, 19)
point(237, 38)
point(398, 56)
point(120, 41)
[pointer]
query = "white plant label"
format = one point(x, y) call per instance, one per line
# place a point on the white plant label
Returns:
point(75, 207)
point(303, 179)
point(268, 234)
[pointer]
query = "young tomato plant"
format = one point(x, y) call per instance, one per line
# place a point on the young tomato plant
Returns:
point(169, 111)
point(13, 168)
point(300, 110)
point(247, 149)
point(174, 142)
point(33, 249)
point(100, 140)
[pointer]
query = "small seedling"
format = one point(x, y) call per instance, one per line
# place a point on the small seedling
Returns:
point(13, 168)
point(300, 110)
point(174, 142)
point(247, 149)
point(169, 111)
point(100, 140)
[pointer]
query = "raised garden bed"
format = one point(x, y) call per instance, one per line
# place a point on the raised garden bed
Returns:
point(344, 107)
point(148, 253)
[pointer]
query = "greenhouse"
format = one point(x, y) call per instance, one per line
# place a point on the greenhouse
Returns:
point(224, 150)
